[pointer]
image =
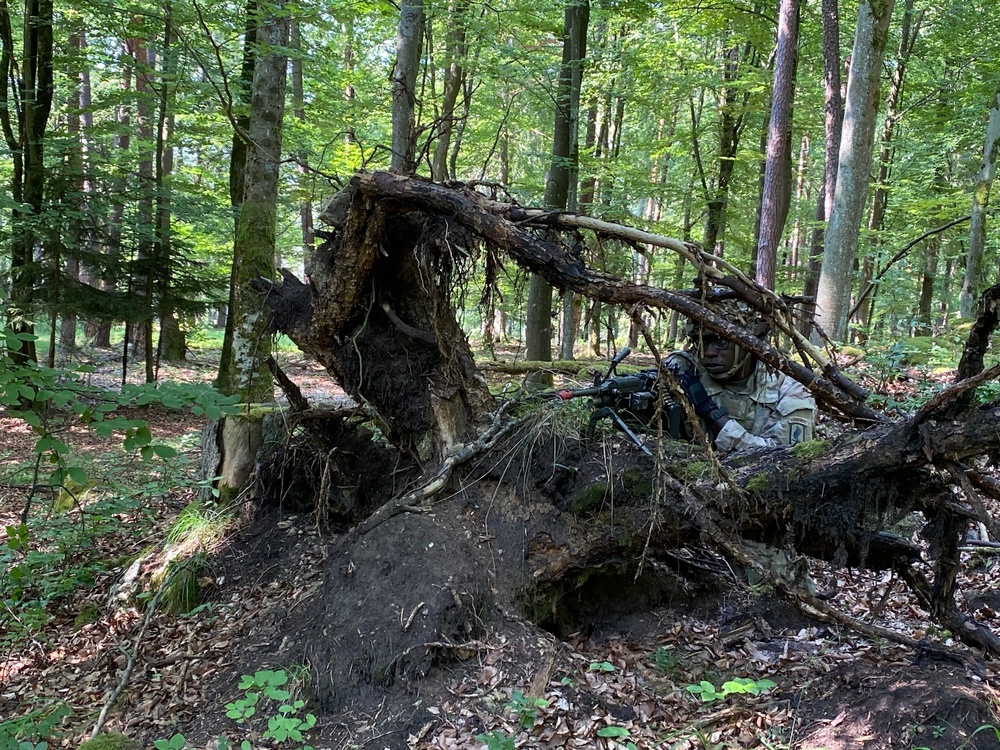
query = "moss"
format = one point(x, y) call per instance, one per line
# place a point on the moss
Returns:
point(758, 483)
point(810, 449)
point(182, 589)
point(636, 481)
point(589, 498)
point(110, 742)
point(90, 613)
point(695, 469)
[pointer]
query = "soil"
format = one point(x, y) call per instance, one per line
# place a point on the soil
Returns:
point(418, 617)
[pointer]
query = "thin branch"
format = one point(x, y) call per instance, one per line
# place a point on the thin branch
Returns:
point(898, 257)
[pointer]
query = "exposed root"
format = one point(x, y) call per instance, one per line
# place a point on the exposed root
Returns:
point(419, 500)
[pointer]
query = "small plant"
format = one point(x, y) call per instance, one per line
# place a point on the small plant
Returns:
point(31, 731)
point(526, 708)
point(496, 740)
point(601, 666)
point(177, 742)
point(286, 723)
point(664, 660)
point(736, 686)
point(619, 734)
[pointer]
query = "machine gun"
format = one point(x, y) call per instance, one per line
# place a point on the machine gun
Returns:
point(629, 401)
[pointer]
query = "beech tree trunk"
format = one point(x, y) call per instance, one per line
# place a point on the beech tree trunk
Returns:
point(253, 256)
point(837, 274)
point(973, 278)
point(777, 173)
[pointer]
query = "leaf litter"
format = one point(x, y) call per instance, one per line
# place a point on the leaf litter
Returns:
point(606, 689)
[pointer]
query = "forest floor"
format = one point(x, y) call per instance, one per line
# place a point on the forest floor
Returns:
point(623, 681)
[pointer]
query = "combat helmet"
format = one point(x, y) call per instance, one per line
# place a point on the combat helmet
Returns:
point(740, 314)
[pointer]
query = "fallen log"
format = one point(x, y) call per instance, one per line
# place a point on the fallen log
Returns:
point(524, 517)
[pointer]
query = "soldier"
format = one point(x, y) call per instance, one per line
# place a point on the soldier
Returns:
point(741, 402)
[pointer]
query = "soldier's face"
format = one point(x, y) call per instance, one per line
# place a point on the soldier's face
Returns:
point(718, 355)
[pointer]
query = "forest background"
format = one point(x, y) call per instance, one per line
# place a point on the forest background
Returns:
point(161, 155)
point(125, 128)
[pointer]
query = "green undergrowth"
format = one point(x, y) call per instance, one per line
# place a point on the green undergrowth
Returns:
point(69, 514)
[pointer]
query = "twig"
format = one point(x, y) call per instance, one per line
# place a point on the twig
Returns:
point(127, 674)
point(985, 518)
point(417, 501)
point(948, 394)
point(897, 257)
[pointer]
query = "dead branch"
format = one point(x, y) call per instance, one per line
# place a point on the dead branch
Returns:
point(562, 270)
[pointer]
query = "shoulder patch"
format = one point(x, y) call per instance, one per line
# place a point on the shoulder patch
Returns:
point(797, 430)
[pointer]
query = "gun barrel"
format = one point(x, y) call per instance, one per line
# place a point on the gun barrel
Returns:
point(620, 384)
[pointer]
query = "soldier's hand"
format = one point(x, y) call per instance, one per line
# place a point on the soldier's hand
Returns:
point(704, 405)
point(678, 363)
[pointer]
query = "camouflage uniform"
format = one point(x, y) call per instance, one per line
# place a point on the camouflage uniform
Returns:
point(767, 410)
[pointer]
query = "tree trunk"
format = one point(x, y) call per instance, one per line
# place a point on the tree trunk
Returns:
point(833, 122)
point(834, 290)
point(560, 182)
point(253, 254)
point(237, 178)
point(32, 102)
point(924, 326)
point(172, 346)
point(454, 80)
point(302, 167)
point(974, 277)
point(778, 174)
point(409, 33)
point(732, 103)
point(909, 32)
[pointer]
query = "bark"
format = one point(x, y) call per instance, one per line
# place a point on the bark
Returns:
point(253, 255)
point(974, 276)
point(454, 79)
point(409, 32)
point(142, 282)
point(560, 183)
point(834, 289)
point(833, 121)
point(240, 116)
point(777, 174)
point(909, 31)
point(31, 77)
point(302, 158)
point(732, 108)
point(172, 346)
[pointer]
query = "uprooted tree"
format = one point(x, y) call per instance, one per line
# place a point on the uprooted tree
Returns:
point(471, 510)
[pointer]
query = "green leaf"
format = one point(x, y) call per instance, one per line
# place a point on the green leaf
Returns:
point(613, 732)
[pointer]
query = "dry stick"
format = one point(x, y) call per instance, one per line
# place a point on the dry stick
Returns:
point(898, 257)
point(952, 392)
point(417, 501)
point(127, 674)
point(985, 518)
